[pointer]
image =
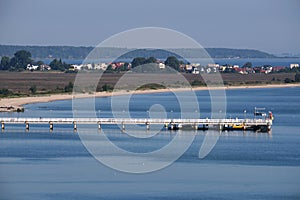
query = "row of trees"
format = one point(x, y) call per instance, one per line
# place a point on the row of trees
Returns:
point(57, 64)
point(171, 61)
point(19, 62)
point(22, 58)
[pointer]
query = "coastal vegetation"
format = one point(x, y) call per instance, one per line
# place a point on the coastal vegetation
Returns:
point(4, 92)
point(57, 64)
point(107, 88)
point(22, 59)
point(151, 86)
point(18, 62)
point(297, 77)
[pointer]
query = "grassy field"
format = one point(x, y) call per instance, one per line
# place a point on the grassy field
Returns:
point(20, 83)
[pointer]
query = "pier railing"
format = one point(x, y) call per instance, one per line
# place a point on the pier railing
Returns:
point(131, 121)
point(246, 123)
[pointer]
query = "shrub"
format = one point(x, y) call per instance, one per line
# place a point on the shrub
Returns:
point(297, 77)
point(288, 80)
point(197, 83)
point(107, 87)
point(32, 89)
point(5, 92)
point(69, 87)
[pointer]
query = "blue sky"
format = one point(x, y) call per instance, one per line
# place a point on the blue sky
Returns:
point(268, 25)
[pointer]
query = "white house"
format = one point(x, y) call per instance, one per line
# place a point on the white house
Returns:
point(188, 67)
point(85, 66)
point(195, 64)
point(202, 69)
point(100, 66)
point(32, 67)
point(213, 65)
point(294, 65)
point(45, 67)
point(161, 65)
point(195, 70)
point(75, 67)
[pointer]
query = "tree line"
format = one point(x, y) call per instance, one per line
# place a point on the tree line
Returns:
point(171, 61)
point(17, 63)
point(22, 58)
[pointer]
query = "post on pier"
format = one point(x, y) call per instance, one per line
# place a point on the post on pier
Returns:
point(75, 125)
point(123, 126)
point(27, 125)
point(51, 125)
point(171, 126)
point(2, 125)
point(148, 126)
point(99, 125)
point(195, 126)
point(220, 126)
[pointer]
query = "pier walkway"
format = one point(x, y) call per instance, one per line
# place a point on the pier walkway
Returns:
point(253, 124)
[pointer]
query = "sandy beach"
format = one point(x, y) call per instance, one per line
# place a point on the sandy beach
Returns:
point(14, 104)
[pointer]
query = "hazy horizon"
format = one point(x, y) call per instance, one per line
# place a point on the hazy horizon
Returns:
point(271, 26)
point(42, 45)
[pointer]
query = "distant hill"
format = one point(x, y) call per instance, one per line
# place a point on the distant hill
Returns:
point(71, 52)
point(195, 53)
point(43, 52)
point(241, 53)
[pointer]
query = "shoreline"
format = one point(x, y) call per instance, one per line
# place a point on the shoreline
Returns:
point(16, 104)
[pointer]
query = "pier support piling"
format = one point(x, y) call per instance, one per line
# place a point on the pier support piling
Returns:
point(147, 126)
point(123, 126)
point(220, 127)
point(75, 126)
point(172, 126)
point(51, 126)
point(27, 125)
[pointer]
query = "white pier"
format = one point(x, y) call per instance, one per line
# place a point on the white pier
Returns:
point(245, 124)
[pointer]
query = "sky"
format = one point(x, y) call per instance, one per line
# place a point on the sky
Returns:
point(268, 25)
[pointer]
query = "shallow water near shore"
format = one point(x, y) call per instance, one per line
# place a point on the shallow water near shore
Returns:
point(40, 164)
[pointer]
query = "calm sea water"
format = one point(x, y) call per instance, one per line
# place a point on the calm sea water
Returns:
point(243, 165)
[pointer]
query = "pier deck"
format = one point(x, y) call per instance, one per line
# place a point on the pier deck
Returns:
point(221, 123)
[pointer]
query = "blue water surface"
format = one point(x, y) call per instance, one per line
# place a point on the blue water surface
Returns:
point(39, 164)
